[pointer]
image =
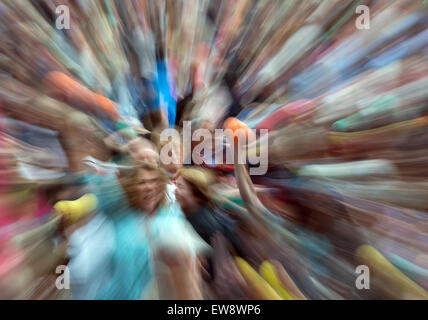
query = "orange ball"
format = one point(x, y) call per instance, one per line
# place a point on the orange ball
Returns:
point(235, 124)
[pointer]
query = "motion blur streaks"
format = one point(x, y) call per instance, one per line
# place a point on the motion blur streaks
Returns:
point(345, 108)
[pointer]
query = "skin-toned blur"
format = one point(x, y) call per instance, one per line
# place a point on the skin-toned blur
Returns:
point(150, 188)
point(116, 184)
point(185, 196)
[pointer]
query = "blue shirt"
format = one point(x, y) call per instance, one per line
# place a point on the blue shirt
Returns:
point(126, 269)
point(110, 256)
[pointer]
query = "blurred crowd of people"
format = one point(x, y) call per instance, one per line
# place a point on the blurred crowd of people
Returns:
point(83, 184)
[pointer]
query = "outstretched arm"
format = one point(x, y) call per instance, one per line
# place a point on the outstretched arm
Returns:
point(257, 210)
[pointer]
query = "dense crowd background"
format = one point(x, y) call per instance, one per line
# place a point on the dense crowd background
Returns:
point(83, 184)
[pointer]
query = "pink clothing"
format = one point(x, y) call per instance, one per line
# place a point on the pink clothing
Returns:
point(42, 210)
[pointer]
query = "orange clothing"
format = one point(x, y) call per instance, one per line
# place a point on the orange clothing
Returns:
point(72, 92)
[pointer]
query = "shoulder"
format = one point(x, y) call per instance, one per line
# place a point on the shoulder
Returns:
point(170, 210)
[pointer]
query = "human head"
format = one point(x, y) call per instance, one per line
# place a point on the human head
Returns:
point(145, 187)
point(192, 189)
point(143, 150)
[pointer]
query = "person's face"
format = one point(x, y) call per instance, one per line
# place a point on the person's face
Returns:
point(141, 151)
point(150, 189)
point(185, 197)
point(147, 155)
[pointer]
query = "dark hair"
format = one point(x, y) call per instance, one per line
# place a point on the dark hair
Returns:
point(198, 194)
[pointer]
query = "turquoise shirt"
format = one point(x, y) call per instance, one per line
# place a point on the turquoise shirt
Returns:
point(136, 236)
point(130, 261)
